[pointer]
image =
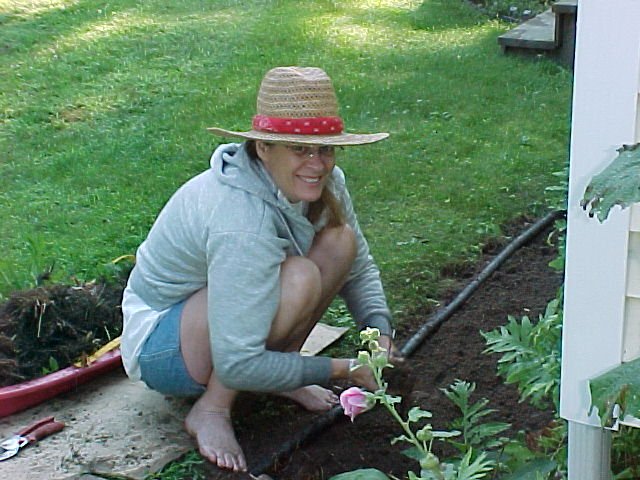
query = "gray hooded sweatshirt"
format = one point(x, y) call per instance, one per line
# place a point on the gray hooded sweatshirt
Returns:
point(230, 230)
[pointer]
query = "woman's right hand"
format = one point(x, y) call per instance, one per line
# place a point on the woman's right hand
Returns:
point(362, 376)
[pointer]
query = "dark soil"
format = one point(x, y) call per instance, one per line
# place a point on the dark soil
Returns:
point(522, 286)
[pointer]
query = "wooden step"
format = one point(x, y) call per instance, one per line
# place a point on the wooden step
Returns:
point(565, 7)
point(551, 33)
point(566, 17)
point(538, 33)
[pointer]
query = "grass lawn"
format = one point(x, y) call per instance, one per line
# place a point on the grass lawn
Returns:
point(103, 110)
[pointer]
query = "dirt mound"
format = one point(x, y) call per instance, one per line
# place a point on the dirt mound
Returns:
point(48, 328)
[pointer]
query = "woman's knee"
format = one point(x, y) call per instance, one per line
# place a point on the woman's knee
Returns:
point(301, 279)
point(346, 241)
point(335, 245)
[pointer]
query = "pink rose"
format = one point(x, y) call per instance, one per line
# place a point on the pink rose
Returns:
point(355, 401)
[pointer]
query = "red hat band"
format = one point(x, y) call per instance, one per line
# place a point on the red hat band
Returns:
point(299, 126)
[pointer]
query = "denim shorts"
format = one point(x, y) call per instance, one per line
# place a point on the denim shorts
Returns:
point(161, 364)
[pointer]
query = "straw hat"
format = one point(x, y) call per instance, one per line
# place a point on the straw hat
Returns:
point(299, 105)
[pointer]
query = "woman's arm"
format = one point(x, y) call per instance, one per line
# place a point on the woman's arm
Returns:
point(363, 291)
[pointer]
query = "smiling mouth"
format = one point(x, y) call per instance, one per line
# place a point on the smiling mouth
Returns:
point(311, 180)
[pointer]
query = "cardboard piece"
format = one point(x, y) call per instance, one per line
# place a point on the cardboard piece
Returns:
point(320, 338)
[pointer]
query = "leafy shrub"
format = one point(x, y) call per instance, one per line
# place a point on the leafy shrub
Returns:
point(531, 354)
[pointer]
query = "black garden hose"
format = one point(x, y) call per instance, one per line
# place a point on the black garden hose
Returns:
point(429, 327)
point(443, 314)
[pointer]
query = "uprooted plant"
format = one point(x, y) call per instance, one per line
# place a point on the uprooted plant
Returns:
point(47, 328)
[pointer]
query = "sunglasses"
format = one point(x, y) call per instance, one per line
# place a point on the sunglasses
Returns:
point(324, 151)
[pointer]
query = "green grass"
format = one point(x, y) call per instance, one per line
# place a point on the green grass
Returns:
point(103, 110)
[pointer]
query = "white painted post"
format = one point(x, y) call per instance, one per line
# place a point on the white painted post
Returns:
point(605, 116)
point(589, 452)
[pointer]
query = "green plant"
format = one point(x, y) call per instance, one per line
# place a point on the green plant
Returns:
point(338, 315)
point(616, 392)
point(559, 231)
point(52, 367)
point(531, 359)
point(39, 269)
point(556, 194)
point(421, 438)
point(475, 433)
point(361, 474)
point(625, 454)
point(513, 458)
point(531, 354)
point(187, 467)
point(617, 184)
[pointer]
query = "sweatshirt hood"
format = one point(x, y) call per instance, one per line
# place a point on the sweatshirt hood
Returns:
point(232, 165)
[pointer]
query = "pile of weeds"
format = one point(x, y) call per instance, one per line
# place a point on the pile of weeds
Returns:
point(50, 327)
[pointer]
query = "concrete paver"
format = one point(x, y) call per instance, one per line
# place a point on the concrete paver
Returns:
point(113, 425)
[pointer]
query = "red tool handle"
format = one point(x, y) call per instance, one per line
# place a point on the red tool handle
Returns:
point(34, 426)
point(44, 430)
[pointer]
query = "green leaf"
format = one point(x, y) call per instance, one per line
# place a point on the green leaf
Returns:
point(626, 474)
point(413, 452)
point(361, 474)
point(518, 452)
point(475, 470)
point(534, 470)
point(475, 434)
point(486, 434)
point(425, 434)
point(391, 399)
point(531, 354)
point(617, 184)
point(619, 386)
point(416, 413)
point(444, 434)
point(53, 365)
point(401, 438)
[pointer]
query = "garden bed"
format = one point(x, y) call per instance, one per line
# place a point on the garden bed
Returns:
point(522, 286)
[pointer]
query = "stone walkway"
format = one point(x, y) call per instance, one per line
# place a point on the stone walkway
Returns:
point(113, 426)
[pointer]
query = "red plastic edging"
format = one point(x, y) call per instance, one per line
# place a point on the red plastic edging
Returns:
point(21, 396)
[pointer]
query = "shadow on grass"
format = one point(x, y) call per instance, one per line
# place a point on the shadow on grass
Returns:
point(102, 135)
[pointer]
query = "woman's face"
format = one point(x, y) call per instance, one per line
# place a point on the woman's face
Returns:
point(300, 172)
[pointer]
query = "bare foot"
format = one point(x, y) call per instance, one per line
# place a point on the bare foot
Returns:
point(216, 439)
point(313, 397)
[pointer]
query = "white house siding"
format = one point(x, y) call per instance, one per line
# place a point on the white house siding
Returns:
point(631, 339)
point(598, 297)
